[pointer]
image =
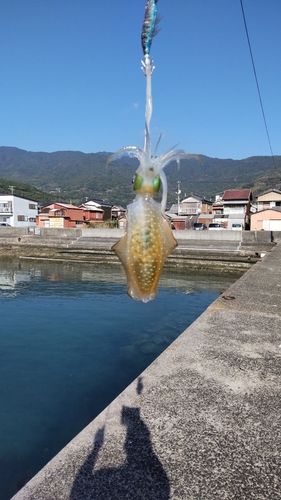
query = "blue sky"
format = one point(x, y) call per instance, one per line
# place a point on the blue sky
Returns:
point(71, 77)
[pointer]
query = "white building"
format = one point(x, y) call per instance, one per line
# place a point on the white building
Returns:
point(192, 205)
point(233, 208)
point(17, 211)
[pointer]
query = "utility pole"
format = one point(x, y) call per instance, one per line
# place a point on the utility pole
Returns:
point(179, 193)
point(12, 189)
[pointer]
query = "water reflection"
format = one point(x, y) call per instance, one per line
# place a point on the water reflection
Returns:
point(18, 275)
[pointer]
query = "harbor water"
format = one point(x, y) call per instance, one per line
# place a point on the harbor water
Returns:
point(70, 341)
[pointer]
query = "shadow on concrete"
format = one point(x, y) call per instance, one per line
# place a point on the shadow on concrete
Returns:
point(141, 477)
point(139, 388)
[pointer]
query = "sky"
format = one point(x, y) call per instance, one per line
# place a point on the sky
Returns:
point(71, 77)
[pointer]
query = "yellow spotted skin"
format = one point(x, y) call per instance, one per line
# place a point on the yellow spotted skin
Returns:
point(146, 253)
point(144, 248)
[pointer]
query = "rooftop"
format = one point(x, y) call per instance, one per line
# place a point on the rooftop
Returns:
point(236, 194)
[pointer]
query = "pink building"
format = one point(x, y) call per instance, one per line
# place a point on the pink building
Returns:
point(60, 215)
point(268, 219)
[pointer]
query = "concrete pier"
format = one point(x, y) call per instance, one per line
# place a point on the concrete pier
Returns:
point(203, 421)
point(224, 250)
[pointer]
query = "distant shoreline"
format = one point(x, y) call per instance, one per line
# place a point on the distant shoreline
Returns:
point(223, 251)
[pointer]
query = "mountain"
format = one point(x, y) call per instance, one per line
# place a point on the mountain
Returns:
point(24, 190)
point(73, 175)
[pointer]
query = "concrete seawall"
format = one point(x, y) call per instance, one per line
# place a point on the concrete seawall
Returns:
point(201, 422)
point(219, 250)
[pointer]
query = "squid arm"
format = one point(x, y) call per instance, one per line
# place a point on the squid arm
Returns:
point(132, 151)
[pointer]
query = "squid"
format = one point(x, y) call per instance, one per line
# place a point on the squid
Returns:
point(148, 239)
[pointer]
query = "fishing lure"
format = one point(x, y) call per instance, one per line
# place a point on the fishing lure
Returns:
point(149, 27)
point(148, 239)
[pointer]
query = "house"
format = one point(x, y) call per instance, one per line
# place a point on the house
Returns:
point(118, 212)
point(18, 211)
point(192, 205)
point(218, 205)
point(268, 219)
point(60, 215)
point(105, 206)
point(218, 214)
point(267, 214)
point(179, 223)
point(188, 211)
point(233, 207)
point(269, 199)
point(92, 212)
point(122, 223)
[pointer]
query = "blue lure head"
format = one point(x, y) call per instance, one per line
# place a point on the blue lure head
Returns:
point(149, 27)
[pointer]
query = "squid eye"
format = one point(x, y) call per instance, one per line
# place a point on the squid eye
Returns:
point(156, 184)
point(138, 180)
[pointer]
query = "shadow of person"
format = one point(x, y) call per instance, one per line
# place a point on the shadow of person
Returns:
point(139, 388)
point(141, 477)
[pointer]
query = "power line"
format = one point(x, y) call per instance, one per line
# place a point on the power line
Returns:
point(257, 83)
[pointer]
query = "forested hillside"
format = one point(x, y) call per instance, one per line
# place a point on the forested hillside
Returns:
point(73, 175)
point(24, 190)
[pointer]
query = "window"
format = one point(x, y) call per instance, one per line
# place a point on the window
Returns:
point(198, 226)
point(21, 217)
point(32, 206)
point(216, 225)
point(5, 206)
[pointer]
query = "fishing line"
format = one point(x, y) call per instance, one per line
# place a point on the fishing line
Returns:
point(257, 83)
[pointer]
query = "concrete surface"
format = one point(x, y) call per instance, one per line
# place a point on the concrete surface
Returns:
point(92, 238)
point(226, 251)
point(201, 422)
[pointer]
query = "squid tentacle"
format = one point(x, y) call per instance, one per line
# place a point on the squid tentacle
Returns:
point(164, 191)
point(156, 147)
point(175, 156)
point(127, 150)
